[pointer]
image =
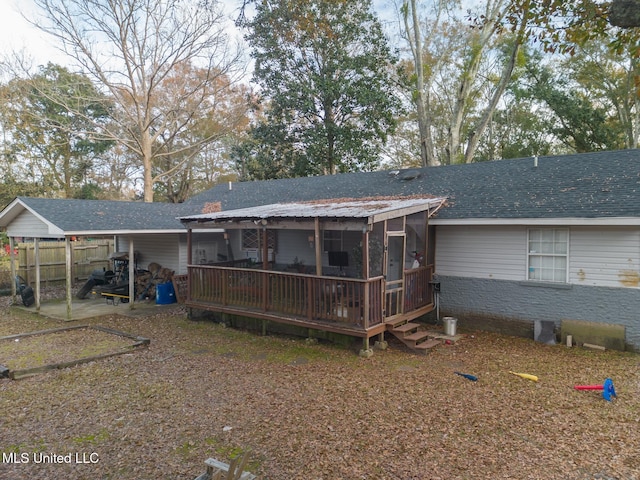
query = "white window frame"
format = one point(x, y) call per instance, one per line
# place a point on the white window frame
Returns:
point(332, 240)
point(549, 252)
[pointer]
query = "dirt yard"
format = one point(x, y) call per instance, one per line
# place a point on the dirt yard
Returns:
point(318, 411)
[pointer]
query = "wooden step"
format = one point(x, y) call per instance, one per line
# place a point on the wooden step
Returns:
point(416, 337)
point(429, 344)
point(407, 327)
point(394, 323)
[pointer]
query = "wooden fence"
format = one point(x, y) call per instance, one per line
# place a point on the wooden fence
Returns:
point(86, 256)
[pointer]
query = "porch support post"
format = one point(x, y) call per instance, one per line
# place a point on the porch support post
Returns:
point(265, 249)
point(36, 254)
point(318, 247)
point(381, 344)
point(67, 254)
point(12, 261)
point(366, 351)
point(132, 274)
point(366, 310)
point(365, 254)
point(189, 261)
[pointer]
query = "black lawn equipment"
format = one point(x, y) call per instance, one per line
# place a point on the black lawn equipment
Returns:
point(25, 291)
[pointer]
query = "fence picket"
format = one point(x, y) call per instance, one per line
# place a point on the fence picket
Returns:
point(87, 256)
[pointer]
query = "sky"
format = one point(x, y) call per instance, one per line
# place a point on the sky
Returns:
point(17, 34)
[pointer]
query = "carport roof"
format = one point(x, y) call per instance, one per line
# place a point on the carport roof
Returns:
point(56, 218)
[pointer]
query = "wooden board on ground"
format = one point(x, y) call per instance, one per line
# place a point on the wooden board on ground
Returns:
point(121, 348)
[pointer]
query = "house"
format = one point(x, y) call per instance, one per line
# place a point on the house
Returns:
point(553, 239)
point(510, 243)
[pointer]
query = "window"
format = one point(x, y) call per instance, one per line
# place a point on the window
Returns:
point(254, 239)
point(332, 240)
point(547, 258)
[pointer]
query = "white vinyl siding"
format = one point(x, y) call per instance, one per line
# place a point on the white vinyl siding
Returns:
point(482, 252)
point(597, 256)
point(608, 257)
point(182, 255)
point(548, 252)
point(28, 225)
point(159, 248)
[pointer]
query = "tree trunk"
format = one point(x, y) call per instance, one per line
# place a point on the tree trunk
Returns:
point(147, 163)
point(427, 157)
point(481, 126)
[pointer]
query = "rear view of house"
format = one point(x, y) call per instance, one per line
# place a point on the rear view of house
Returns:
point(550, 239)
point(510, 244)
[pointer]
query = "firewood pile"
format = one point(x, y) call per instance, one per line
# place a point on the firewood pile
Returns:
point(146, 281)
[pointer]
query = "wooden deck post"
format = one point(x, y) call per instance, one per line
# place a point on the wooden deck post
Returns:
point(310, 297)
point(36, 254)
point(318, 247)
point(265, 248)
point(265, 290)
point(381, 343)
point(365, 254)
point(366, 351)
point(189, 261)
point(132, 274)
point(13, 259)
point(67, 251)
point(366, 310)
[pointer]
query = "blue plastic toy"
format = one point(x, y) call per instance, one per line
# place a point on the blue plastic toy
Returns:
point(608, 390)
point(473, 378)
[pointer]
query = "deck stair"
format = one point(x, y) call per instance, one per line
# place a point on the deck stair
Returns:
point(413, 335)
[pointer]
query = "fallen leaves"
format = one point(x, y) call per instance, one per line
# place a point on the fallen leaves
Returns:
point(321, 412)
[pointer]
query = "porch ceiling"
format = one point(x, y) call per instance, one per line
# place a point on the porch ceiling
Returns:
point(367, 211)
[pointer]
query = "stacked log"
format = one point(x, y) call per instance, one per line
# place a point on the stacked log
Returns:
point(147, 280)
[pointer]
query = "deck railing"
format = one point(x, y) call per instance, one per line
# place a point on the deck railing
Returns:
point(355, 302)
point(417, 288)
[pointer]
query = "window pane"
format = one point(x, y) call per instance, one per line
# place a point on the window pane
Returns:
point(561, 238)
point(332, 241)
point(534, 241)
point(546, 235)
point(548, 249)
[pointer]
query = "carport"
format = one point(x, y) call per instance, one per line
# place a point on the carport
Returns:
point(137, 225)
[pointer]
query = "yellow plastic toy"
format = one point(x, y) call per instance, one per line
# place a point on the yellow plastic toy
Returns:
point(533, 378)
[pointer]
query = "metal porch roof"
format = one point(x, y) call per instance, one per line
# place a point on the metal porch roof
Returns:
point(371, 210)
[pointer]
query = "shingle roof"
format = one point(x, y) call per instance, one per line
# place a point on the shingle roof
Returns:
point(74, 216)
point(588, 185)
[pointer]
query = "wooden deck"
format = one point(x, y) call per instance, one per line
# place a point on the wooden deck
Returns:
point(342, 305)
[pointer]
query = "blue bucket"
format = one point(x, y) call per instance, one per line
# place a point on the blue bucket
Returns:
point(165, 294)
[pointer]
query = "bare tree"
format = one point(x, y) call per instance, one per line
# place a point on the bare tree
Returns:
point(445, 47)
point(133, 49)
point(413, 34)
